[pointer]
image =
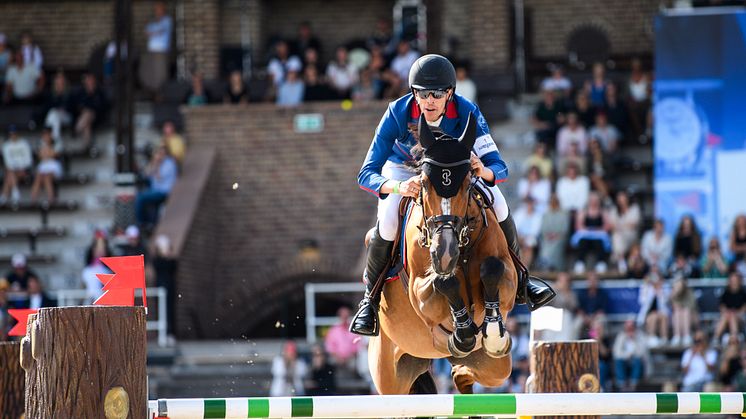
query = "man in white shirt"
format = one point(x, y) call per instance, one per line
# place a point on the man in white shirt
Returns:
point(657, 246)
point(464, 85)
point(403, 61)
point(573, 132)
point(18, 160)
point(154, 65)
point(23, 82)
point(698, 364)
point(572, 189)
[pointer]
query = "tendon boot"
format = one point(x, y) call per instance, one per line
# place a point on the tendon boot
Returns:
point(365, 321)
point(529, 292)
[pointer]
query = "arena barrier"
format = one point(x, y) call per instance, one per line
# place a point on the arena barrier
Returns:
point(499, 405)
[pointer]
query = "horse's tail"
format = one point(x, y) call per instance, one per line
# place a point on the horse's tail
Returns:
point(424, 384)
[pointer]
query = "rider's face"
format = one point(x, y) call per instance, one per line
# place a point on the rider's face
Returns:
point(432, 107)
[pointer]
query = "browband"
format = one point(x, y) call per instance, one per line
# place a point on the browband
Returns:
point(439, 164)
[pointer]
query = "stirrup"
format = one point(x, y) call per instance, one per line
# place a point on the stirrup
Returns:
point(531, 306)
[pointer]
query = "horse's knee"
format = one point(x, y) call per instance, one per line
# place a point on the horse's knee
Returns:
point(448, 286)
point(491, 271)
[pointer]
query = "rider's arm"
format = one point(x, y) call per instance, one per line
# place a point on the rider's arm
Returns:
point(496, 171)
point(370, 178)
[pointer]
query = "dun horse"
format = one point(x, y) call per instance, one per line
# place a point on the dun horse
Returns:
point(458, 284)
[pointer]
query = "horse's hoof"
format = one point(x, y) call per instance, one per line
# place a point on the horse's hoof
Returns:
point(456, 352)
point(495, 353)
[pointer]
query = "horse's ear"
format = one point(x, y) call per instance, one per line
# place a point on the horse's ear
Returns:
point(427, 139)
point(470, 133)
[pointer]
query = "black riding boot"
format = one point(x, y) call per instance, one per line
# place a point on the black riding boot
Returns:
point(529, 292)
point(365, 321)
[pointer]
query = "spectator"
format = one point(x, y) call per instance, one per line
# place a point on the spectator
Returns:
point(161, 173)
point(535, 187)
point(688, 241)
point(165, 265)
point(592, 305)
point(730, 363)
point(684, 305)
point(5, 58)
point(306, 40)
point(639, 87)
point(657, 246)
point(237, 93)
point(340, 343)
point(591, 238)
point(18, 160)
point(548, 117)
point(154, 64)
point(540, 160)
point(173, 142)
point(713, 262)
point(739, 381)
point(98, 249)
point(615, 111)
point(654, 312)
point(401, 64)
point(20, 275)
point(288, 372)
point(382, 38)
point(322, 381)
point(341, 73)
point(586, 112)
point(197, 95)
point(625, 223)
point(315, 88)
point(732, 307)
point(90, 106)
point(698, 364)
point(680, 267)
point(567, 300)
point(464, 85)
point(528, 225)
point(555, 224)
point(608, 135)
point(291, 91)
point(31, 51)
point(133, 246)
point(600, 169)
point(23, 82)
point(311, 59)
point(737, 239)
point(573, 156)
point(557, 83)
point(519, 352)
point(629, 352)
point(573, 132)
point(378, 72)
point(49, 168)
point(573, 190)
point(37, 298)
point(596, 87)
point(605, 347)
point(279, 64)
point(365, 89)
point(59, 106)
point(635, 267)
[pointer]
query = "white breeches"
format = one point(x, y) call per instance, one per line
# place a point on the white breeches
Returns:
point(388, 209)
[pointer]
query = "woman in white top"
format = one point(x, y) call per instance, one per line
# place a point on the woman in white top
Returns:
point(654, 312)
point(625, 222)
point(536, 187)
point(288, 373)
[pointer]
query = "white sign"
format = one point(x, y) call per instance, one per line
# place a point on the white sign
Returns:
point(308, 123)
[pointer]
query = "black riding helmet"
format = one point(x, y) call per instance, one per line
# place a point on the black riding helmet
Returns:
point(432, 71)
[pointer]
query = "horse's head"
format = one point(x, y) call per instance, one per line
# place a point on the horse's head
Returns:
point(446, 179)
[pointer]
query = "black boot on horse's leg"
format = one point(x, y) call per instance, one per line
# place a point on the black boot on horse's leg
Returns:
point(529, 292)
point(365, 321)
point(463, 340)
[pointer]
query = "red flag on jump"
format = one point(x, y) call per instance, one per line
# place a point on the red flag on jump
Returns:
point(119, 287)
point(21, 315)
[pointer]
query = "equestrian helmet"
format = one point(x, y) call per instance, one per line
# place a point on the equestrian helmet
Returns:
point(432, 71)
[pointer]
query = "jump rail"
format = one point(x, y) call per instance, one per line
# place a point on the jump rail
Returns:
point(499, 405)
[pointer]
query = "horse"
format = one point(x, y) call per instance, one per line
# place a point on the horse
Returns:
point(458, 283)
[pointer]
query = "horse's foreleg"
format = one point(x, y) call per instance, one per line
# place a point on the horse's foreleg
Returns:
point(463, 340)
point(495, 339)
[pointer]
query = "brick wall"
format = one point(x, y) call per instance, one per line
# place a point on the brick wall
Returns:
point(202, 36)
point(489, 37)
point(628, 24)
point(244, 248)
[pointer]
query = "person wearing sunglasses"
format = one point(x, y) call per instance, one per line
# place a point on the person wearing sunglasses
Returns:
point(388, 174)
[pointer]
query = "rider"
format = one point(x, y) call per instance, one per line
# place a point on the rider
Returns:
point(432, 80)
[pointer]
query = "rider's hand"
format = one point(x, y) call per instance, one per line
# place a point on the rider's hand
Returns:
point(410, 187)
point(476, 165)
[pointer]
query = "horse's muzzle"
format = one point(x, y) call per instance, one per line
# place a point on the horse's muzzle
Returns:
point(444, 250)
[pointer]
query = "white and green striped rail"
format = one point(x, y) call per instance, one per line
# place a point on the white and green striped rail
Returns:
point(500, 405)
